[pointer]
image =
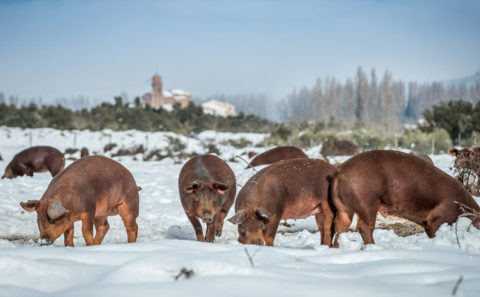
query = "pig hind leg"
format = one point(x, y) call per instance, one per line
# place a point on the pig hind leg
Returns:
point(343, 220)
point(55, 165)
point(101, 227)
point(129, 214)
point(367, 216)
point(325, 223)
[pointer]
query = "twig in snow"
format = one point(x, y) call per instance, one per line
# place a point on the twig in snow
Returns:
point(250, 257)
point(240, 157)
point(459, 281)
point(456, 235)
point(188, 273)
point(467, 212)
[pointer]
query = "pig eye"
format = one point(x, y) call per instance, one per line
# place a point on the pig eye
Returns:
point(243, 230)
point(262, 226)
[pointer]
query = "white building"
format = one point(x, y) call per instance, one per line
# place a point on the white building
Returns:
point(218, 108)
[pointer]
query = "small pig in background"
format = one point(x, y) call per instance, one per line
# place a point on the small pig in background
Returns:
point(35, 159)
point(276, 154)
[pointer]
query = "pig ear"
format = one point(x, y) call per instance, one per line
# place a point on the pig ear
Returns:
point(55, 209)
point(453, 152)
point(221, 187)
point(30, 205)
point(263, 214)
point(192, 187)
point(238, 218)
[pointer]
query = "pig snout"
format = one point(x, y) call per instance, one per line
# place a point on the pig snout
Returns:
point(207, 217)
point(257, 241)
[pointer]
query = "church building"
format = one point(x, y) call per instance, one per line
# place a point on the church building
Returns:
point(165, 99)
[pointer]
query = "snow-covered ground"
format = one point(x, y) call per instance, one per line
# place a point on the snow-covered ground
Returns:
point(296, 266)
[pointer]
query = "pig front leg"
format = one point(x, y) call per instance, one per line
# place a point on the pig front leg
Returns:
point(197, 227)
point(210, 234)
point(87, 229)
point(219, 223)
point(68, 236)
point(271, 231)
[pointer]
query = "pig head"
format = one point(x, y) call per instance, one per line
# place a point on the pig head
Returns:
point(252, 225)
point(206, 199)
point(53, 218)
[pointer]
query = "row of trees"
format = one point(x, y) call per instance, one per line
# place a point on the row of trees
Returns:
point(372, 102)
point(120, 116)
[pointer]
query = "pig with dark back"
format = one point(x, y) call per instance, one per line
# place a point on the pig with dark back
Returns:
point(90, 190)
point(398, 184)
point(277, 154)
point(289, 189)
point(35, 159)
point(207, 189)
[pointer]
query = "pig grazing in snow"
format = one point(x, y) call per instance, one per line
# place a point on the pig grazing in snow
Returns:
point(398, 184)
point(207, 190)
point(289, 189)
point(277, 154)
point(35, 159)
point(90, 190)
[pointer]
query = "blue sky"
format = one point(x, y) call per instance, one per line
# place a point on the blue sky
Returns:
point(102, 48)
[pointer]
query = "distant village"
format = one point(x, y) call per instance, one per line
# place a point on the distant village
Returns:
point(160, 98)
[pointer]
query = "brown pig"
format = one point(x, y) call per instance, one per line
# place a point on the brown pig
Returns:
point(90, 190)
point(35, 159)
point(207, 189)
point(289, 189)
point(84, 152)
point(277, 154)
point(397, 184)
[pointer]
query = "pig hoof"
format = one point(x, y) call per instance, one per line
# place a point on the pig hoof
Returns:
point(218, 233)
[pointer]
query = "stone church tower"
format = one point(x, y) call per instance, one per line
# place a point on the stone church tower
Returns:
point(159, 97)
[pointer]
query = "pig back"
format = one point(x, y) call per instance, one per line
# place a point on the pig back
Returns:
point(400, 179)
point(298, 183)
point(94, 180)
point(206, 168)
point(277, 154)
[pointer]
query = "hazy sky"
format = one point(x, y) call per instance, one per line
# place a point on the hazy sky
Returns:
point(101, 48)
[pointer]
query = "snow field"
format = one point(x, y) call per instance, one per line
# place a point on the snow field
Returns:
point(297, 266)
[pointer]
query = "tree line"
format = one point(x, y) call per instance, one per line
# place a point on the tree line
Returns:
point(370, 101)
point(124, 116)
